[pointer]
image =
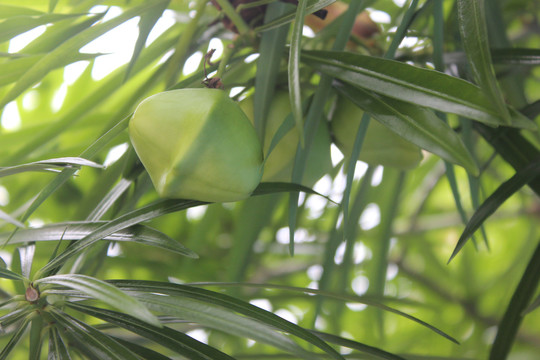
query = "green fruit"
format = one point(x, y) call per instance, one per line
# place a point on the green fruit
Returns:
point(280, 162)
point(197, 144)
point(381, 145)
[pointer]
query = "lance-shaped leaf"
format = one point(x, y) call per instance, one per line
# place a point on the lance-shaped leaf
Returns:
point(495, 200)
point(78, 230)
point(16, 25)
point(412, 84)
point(57, 347)
point(414, 123)
point(49, 165)
point(474, 36)
point(90, 340)
point(203, 296)
point(172, 339)
point(67, 49)
point(224, 320)
point(103, 291)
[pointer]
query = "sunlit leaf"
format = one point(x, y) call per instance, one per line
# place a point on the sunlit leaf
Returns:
point(66, 49)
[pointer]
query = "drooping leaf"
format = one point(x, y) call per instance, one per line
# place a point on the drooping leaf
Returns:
point(515, 312)
point(411, 84)
point(495, 200)
point(103, 291)
point(204, 296)
point(14, 340)
point(49, 165)
point(224, 320)
point(331, 295)
point(176, 341)
point(414, 123)
point(96, 343)
point(74, 231)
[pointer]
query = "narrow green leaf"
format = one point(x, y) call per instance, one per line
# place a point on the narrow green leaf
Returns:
point(174, 340)
point(146, 23)
point(277, 187)
point(103, 291)
point(159, 208)
point(57, 347)
point(75, 231)
point(66, 49)
point(36, 340)
point(316, 109)
point(13, 70)
point(515, 312)
point(52, 5)
point(8, 11)
point(9, 219)
point(57, 33)
point(233, 304)
point(473, 30)
point(141, 351)
point(414, 123)
point(271, 50)
point(97, 344)
point(14, 26)
point(26, 255)
point(521, 178)
point(412, 84)
point(67, 173)
point(223, 320)
point(342, 297)
point(48, 165)
point(109, 199)
point(14, 340)
point(517, 56)
point(295, 94)
point(8, 274)
point(376, 352)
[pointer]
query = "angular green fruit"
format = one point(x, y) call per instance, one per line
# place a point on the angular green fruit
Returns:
point(381, 145)
point(197, 144)
point(280, 162)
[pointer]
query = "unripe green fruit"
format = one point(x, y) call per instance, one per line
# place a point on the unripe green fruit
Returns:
point(197, 144)
point(381, 145)
point(280, 162)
